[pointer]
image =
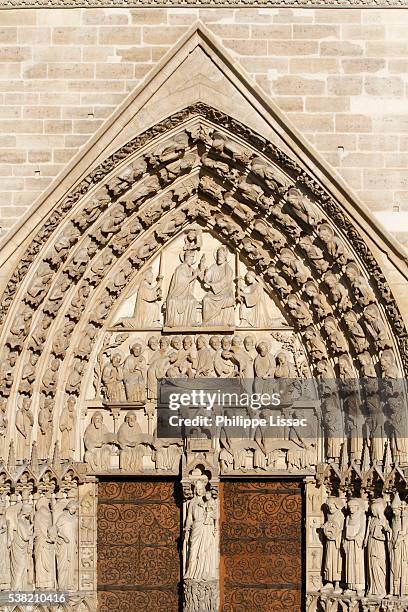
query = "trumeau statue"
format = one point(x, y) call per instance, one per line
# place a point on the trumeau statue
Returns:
point(200, 536)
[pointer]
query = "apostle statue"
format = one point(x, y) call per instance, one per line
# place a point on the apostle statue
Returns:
point(134, 374)
point(378, 532)
point(147, 307)
point(97, 441)
point(131, 451)
point(399, 548)
point(21, 550)
point(354, 536)
point(253, 311)
point(332, 530)
point(66, 547)
point(219, 301)
point(181, 305)
point(44, 549)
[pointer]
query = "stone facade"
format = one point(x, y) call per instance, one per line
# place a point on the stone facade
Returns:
point(199, 236)
point(338, 75)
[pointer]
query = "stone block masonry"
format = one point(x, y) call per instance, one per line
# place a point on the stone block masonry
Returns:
point(341, 76)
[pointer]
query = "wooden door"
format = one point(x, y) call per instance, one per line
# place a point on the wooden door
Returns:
point(261, 546)
point(138, 541)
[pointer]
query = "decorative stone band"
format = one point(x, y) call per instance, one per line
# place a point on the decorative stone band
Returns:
point(374, 4)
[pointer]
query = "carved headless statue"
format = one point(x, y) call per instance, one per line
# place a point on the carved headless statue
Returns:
point(333, 529)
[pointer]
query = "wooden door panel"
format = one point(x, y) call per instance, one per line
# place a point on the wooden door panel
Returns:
point(138, 559)
point(261, 546)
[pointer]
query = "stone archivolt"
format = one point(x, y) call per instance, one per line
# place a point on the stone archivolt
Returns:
point(200, 183)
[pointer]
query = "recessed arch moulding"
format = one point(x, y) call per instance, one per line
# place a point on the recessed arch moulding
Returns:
point(100, 304)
